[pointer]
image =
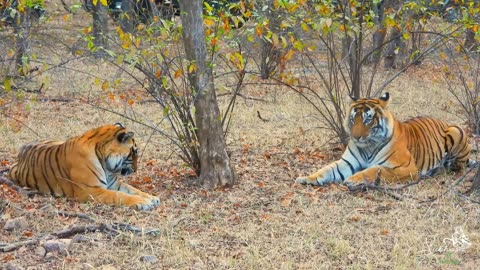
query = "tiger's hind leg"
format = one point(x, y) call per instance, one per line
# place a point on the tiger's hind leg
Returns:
point(458, 149)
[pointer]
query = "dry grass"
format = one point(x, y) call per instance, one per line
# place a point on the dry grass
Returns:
point(264, 222)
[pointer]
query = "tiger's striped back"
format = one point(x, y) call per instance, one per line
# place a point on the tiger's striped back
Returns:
point(85, 167)
point(436, 145)
point(381, 147)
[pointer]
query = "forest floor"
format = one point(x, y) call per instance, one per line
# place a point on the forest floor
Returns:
point(265, 221)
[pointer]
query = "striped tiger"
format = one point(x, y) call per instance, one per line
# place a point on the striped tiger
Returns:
point(381, 147)
point(84, 168)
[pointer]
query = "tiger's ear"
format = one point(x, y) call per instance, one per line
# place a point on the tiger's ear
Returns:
point(124, 136)
point(119, 125)
point(384, 99)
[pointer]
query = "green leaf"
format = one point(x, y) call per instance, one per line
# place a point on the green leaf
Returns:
point(7, 83)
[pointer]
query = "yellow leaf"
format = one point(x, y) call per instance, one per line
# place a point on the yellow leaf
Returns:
point(328, 22)
point(406, 36)
point(192, 68)
point(178, 73)
point(105, 85)
point(104, 2)
point(7, 83)
point(209, 22)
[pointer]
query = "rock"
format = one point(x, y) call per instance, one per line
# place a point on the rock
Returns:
point(10, 266)
point(59, 245)
point(107, 267)
point(40, 251)
point(151, 259)
point(49, 256)
point(85, 266)
point(15, 224)
point(80, 238)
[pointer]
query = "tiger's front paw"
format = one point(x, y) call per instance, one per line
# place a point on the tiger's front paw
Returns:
point(355, 182)
point(306, 180)
point(147, 203)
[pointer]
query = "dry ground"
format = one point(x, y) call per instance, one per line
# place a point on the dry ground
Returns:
point(263, 222)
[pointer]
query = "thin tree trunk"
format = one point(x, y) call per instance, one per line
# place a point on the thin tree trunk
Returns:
point(394, 50)
point(100, 29)
point(215, 167)
point(379, 34)
point(476, 182)
point(128, 16)
point(470, 42)
point(22, 27)
point(270, 55)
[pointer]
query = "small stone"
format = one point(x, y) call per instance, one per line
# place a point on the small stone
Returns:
point(86, 266)
point(49, 256)
point(59, 245)
point(10, 266)
point(107, 267)
point(80, 238)
point(15, 224)
point(151, 259)
point(40, 251)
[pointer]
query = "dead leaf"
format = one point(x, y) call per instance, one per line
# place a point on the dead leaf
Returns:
point(355, 218)
point(286, 200)
point(384, 232)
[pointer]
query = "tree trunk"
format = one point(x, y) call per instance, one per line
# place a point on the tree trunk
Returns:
point(215, 167)
point(379, 34)
point(270, 55)
point(22, 27)
point(128, 16)
point(395, 50)
point(470, 42)
point(476, 182)
point(100, 29)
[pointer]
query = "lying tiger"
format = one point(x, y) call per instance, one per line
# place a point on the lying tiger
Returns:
point(84, 168)
point(382, 147)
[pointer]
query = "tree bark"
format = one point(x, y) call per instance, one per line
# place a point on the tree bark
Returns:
point(128, 16)
point(470, 42)
point(476, 182)
point(270, 55)
point(100, 28)
point(215, 167)
point(379, 34)
point(22, 27)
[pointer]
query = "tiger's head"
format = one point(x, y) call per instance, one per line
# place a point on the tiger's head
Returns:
point(369, 122)
point(119, 150)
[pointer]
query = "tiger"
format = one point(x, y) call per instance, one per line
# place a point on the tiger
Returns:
point(383, 148)
point(84, 168)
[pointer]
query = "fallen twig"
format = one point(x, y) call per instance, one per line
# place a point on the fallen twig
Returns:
point(70, 214)
point(261, 118)
point(450, 188)
point(17, 188)
point(386, 190)
point(77, 229)
point(17, 245)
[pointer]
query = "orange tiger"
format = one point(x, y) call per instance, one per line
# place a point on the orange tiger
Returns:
point(84, 168)
point(382, 147)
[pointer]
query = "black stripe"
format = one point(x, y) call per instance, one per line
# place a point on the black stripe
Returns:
point(340, 173)
point(349, 165)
